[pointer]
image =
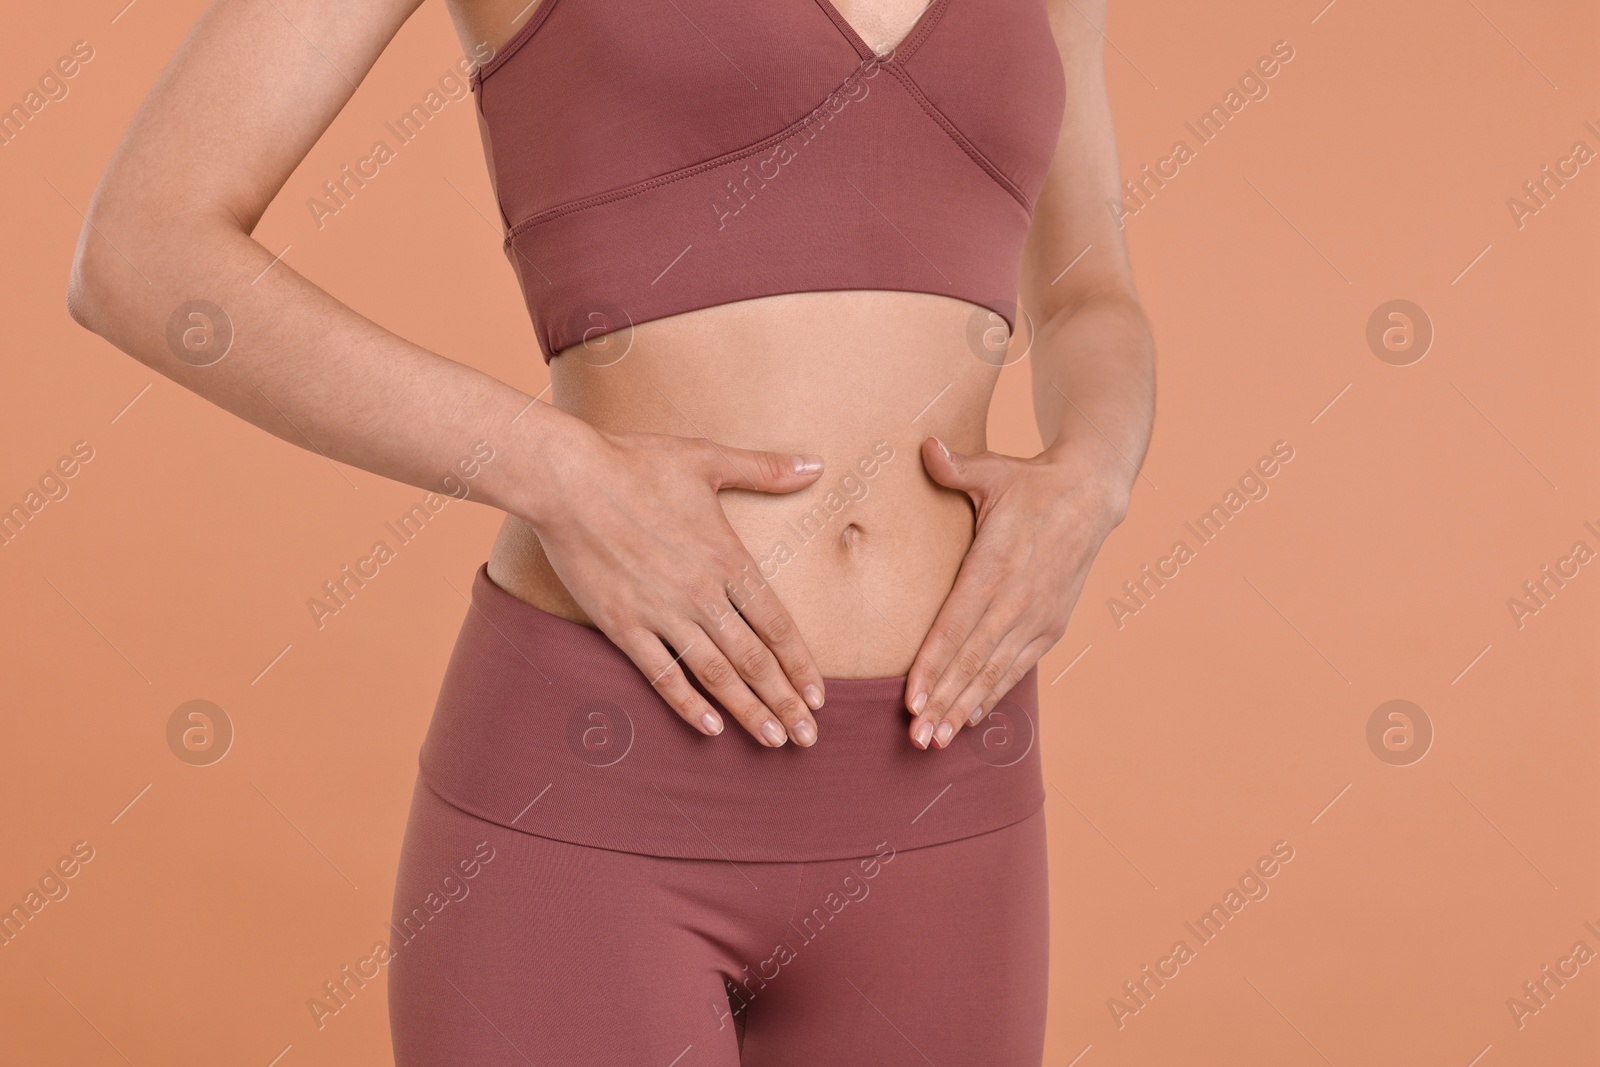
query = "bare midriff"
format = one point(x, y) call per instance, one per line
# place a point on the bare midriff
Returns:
point(864, 557)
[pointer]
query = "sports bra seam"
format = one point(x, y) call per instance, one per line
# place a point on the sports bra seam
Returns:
point(514, 44)
point(669, 177)
point(908, 48)
point(943, 122)
point(907, 82)
point(845, 29)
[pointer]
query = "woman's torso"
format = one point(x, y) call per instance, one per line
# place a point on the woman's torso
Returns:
point(864, 558)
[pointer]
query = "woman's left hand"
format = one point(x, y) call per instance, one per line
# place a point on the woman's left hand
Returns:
point(1040, 522)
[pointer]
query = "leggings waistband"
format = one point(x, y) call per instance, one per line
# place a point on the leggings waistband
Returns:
point(545, 726)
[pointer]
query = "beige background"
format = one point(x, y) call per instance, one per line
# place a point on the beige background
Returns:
point(1228, 714)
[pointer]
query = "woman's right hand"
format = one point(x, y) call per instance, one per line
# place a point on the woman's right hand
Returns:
point(632, 526)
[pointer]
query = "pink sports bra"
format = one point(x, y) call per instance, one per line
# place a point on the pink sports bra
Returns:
point(661, 156)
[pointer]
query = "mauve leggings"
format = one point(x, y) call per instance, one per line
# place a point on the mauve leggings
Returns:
point(559, 955)
point(586, 880)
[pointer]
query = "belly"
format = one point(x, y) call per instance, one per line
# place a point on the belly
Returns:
point(864, 557)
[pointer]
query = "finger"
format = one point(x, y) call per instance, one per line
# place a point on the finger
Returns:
point(766, 472)
point(1026, 660)
point(668, 678)
point(974, 473)
point(972, 663)
point(1006, 666)
point(765, 614)
point(699, 652)
point(966, 604)
point(760, 670)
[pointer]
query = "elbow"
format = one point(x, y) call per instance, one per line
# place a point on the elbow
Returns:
point(117, 288)
point(87, 288)
point(80, 302)
point(106, 291)
point(1116, 299)
point(1096, 295)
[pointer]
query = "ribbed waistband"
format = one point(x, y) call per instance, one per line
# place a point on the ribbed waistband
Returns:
point(546, 726)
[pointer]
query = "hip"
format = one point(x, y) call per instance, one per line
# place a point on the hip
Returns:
point(544, 726)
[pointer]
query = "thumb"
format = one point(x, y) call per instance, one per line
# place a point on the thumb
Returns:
point(973, 474)
point(764, 472)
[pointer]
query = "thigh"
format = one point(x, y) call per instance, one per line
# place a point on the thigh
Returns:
point(509, 949)
point(940, 954)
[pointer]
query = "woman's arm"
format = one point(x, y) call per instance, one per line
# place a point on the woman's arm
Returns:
point(1094, 364)
point(243, 100)
point(1041, 521)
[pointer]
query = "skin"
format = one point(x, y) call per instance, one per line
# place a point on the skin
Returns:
point(685, 462)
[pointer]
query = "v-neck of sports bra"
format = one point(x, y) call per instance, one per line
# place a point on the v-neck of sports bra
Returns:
point(901, 51)
point(902, 48)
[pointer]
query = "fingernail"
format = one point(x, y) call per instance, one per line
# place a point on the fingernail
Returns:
point(977, 713)
point(813, 697)
point(807, 464)
point(773, 733)
point(943, 449)
point(943, 734)
point(922, 733)
point(805, 734)
point(918, 702)
point(712, 724)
